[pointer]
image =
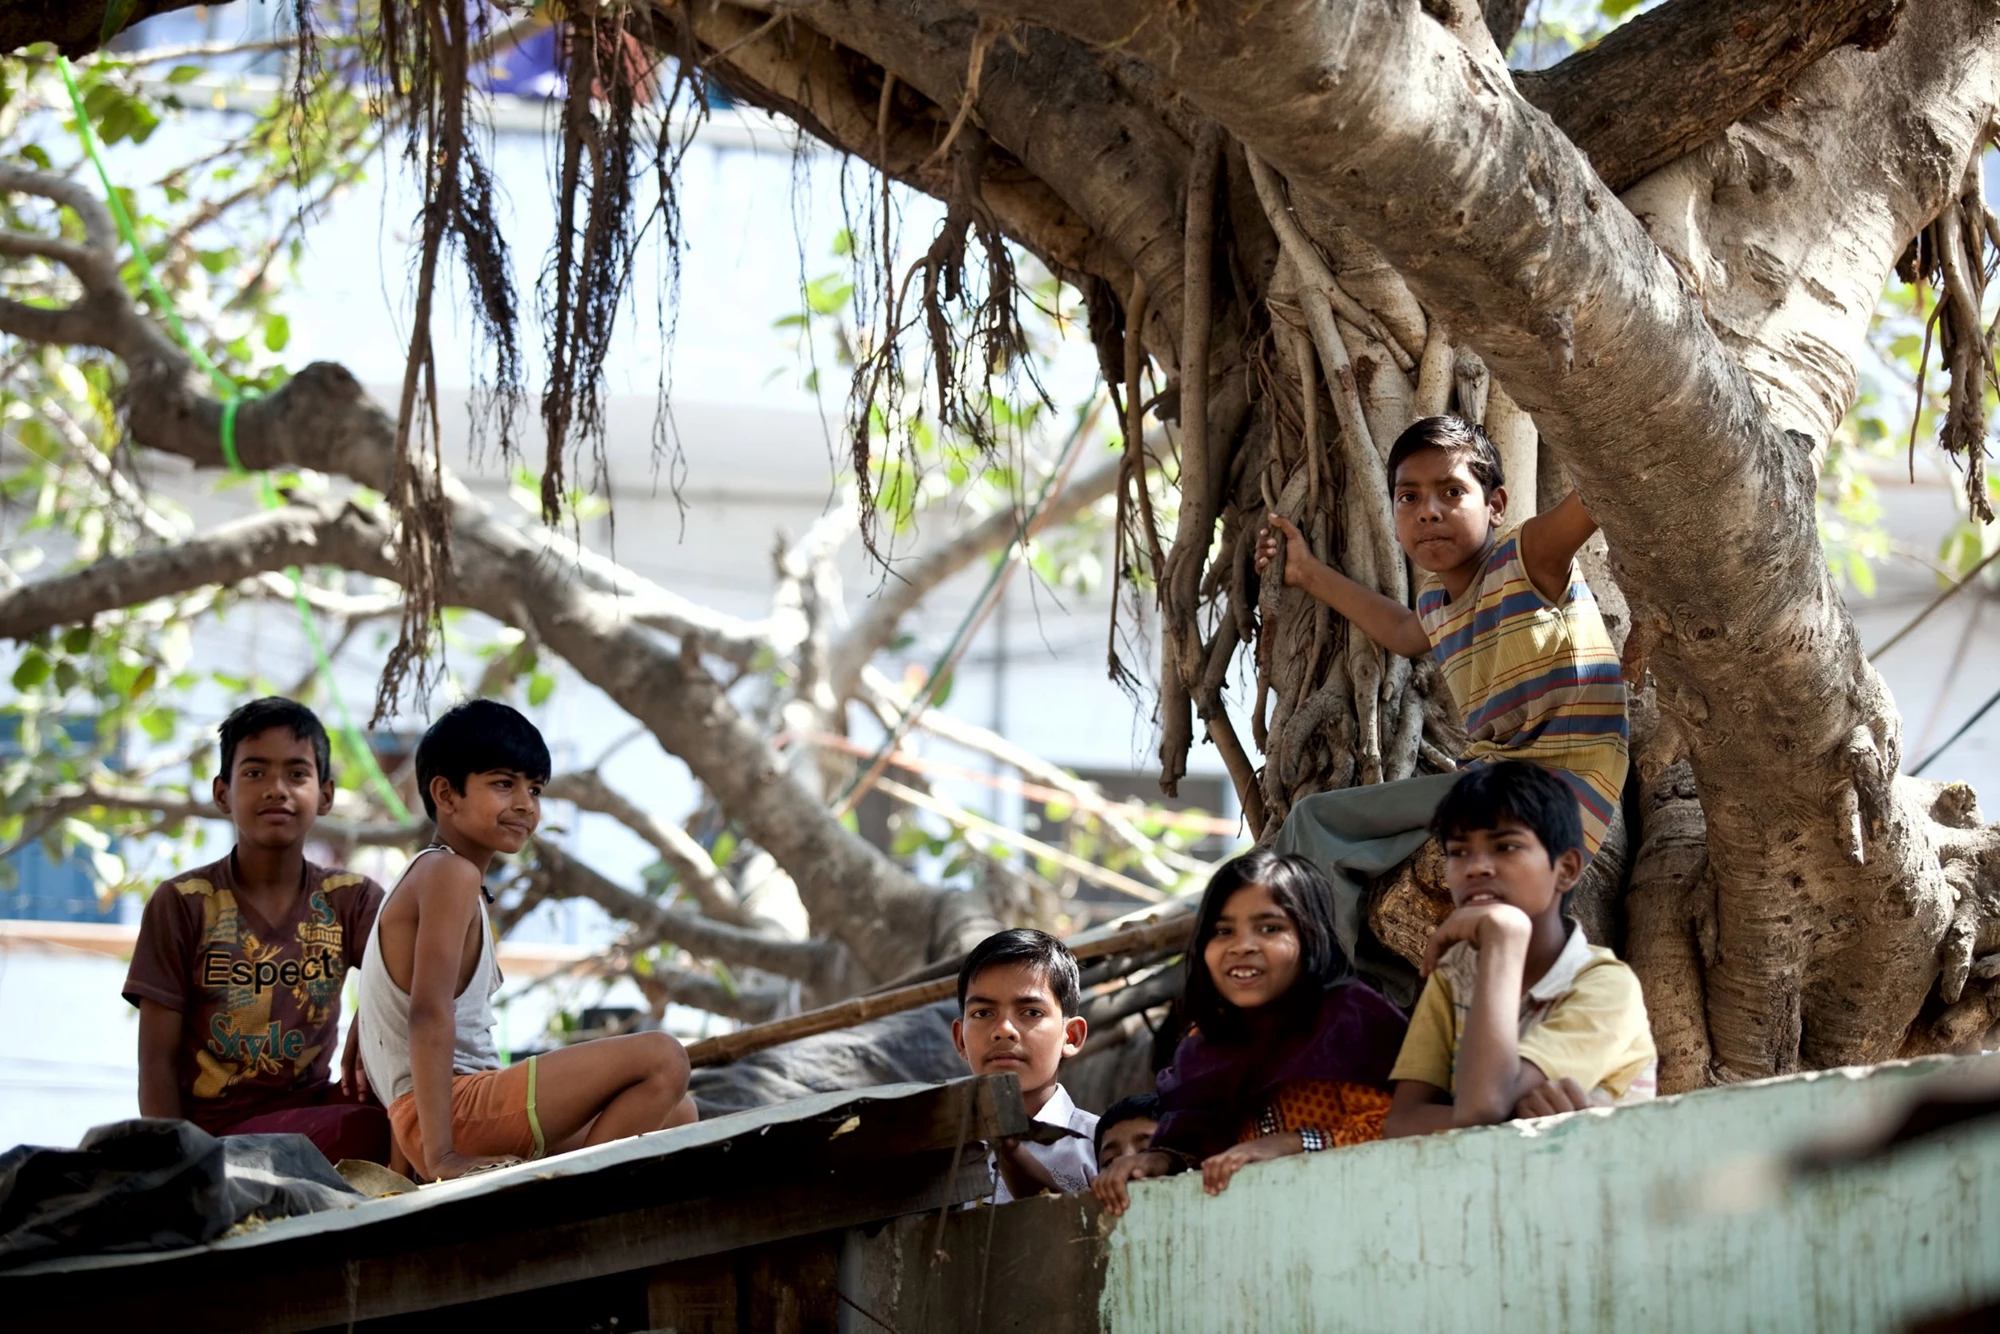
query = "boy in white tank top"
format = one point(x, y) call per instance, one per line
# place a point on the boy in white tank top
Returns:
point(429, 974)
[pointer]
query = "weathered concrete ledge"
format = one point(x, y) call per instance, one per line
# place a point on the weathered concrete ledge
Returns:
point(1691, 1213)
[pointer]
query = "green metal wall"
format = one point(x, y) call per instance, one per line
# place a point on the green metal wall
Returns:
point(1678, 1215)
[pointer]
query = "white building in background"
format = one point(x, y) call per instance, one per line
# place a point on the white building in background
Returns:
point(760, 456)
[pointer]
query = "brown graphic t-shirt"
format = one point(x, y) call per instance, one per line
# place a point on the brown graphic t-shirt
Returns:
point(259, 1001)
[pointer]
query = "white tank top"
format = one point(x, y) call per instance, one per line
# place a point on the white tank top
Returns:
point(385, 1008)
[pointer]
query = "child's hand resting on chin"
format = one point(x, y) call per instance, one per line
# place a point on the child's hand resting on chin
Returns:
point(1482, 923)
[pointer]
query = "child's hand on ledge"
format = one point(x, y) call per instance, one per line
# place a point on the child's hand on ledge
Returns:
point(1216, 1171)
point(1552, 1099)
point(1298, 556)
point(1109, 1186)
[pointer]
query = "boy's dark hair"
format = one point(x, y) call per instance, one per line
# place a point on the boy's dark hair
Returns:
point(1037, 948)
point(477, 737)
point(1298, 887)
point(1138, 1107)
point(1457, 437)
point(261, 715)
point(1520, 790)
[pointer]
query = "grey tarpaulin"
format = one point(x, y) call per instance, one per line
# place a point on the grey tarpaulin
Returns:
point(1355, 834)
point(914, 1046)
point(152, 1184)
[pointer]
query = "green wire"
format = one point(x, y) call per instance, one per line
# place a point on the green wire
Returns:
point(233, 395)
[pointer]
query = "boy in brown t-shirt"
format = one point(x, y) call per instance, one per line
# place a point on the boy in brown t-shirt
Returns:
point(239, 965)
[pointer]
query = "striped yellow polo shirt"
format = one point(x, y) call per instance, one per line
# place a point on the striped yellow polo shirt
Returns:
point(1534, 680)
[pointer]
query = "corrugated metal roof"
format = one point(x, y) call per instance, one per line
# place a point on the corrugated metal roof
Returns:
point(505, 1181)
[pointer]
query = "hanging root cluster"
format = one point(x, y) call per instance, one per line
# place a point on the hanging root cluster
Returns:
point(422, 57)
point(428, 59)
point(615, 92)
point(971, 327)
point(1957, 254)
point(1338, 359)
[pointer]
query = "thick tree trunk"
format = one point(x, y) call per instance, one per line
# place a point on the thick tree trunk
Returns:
point(1831, 904)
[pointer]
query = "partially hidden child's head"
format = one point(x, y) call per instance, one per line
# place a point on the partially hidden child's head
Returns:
point(1127, 1126)
point(1512, 833)
point(1263, 935)
point(277, 772)
point(1019, 993)
point(481, 768)
point(1447, 492)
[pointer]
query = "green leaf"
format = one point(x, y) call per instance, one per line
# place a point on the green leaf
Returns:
point(184, 74)
point(144, 121)
point(724, 849)
point(828, 294)
point(76, 639)
point(540, 686)
point(158, 723)
point(33, 669)
point(277, 333)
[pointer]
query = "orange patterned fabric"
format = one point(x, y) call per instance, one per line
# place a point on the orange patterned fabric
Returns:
point(1344, 1113)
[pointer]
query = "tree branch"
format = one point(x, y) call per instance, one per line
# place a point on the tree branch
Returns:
point(75, 26)
point(563, 876)
point(1677, 76)
point(295, 535)
point(700, 991)
point(881, 696)
point(799, 73)
point(694, 869)
point(106, 793)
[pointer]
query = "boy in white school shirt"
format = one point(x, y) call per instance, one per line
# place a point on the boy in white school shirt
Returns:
point(1018, 996)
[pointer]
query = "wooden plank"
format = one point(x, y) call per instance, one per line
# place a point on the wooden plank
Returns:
point(1145, 937)
point(918, 1150)
point(314, 1291)
point(793, 1286)
point(1035, 1266)
point(696, 1296)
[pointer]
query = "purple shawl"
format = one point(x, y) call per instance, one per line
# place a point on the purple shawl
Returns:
point(1212, 1088)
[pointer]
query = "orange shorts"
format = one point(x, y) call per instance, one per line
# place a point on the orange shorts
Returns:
point(492, 1112)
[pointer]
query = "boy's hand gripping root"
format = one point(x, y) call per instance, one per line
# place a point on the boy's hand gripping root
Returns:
point(1293, 560)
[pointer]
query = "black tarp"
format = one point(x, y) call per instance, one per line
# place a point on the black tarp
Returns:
point(150, 1184)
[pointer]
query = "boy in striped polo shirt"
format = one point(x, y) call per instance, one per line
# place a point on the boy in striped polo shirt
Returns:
point(1517, 635)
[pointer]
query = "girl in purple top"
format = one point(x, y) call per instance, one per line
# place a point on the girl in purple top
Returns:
point(1289, 1053)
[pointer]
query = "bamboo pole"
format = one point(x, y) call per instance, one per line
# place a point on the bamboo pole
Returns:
point(1159, 932)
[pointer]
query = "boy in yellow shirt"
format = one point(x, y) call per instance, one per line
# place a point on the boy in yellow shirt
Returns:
point(1521, 1015)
